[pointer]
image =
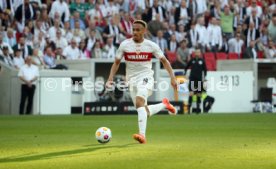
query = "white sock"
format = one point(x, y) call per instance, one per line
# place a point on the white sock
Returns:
point(154, 109)
point(142, 120)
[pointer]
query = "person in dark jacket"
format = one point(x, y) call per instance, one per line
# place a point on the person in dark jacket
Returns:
point(196, 78)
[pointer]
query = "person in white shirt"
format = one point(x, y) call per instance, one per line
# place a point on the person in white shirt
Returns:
point(52, 32)
point(62, 8)
point(270, 51)
point(28, 74)
point(109, 49)
point(10, 38)
point(214, 36)
point(202, 34)
point(72, 51)
point(78, 33)
point(18, 61)
point(254, 5)
point(59, 41)
point(235, 44)
point(200, 6)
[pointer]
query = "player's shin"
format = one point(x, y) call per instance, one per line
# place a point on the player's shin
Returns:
point(142, 120)
point(155, 108)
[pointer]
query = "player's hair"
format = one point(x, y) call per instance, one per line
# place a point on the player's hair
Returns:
point(145, 25)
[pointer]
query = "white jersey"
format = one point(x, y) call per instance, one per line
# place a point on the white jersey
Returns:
point(138, 58)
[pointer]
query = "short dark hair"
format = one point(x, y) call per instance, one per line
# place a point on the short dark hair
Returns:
point(143, 23)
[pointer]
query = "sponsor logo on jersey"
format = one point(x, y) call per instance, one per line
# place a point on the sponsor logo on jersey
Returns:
point(138, 57)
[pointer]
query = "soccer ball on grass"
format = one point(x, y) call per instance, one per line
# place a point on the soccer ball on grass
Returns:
point(103, 135)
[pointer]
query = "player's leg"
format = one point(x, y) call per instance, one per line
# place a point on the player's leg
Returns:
point(155, 108)
point(142, 115)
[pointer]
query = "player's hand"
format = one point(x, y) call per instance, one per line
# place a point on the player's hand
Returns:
point(174, 83)
point(109, 84)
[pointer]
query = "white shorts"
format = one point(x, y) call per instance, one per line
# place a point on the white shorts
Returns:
point(141, 87)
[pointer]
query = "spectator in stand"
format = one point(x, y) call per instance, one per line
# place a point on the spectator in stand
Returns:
point(202, 34)
point(126, 25)
point(227, 19)
point(77, 32)
point(161, 41)
point(28, 74)
point(50, 60)
point(173, 31)
point(26, 49)
point(92, 27)
point(61, 7)
point(2, 44)
point(183, 54)
point(200, 6)
point(37, 58)
point(250, 51)
point(270, 51)
point(254, 19)
point(67, 31)
point(72, 51)
point(264, 37)
point(76, 18)
point(252, 7)
point(236, 44)
point(112, 30)
point(109, 50)
point(18, 61)
point(40, 41)
point(6, 57)
point(24, 13)
point(272, 28)
point(251, 34)
point(214, 36)
point(97, 15)
point(155, 25)
point(59, 40)
point(97, 52)
point(112, 8)
point(84, 53)
point(9, 37)
point(182, 15)
point(78, 6)
point(193, 37)
point(52, 32)
point(157, 9)
point(240, 12)
point(90, 41)
point(172, 44)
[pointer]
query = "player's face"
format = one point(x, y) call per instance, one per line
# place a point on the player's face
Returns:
point(138, 32)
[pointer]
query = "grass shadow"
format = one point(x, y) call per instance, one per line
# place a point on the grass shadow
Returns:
point(90, 148)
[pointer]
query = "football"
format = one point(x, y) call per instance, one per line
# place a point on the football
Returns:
point(103, 135)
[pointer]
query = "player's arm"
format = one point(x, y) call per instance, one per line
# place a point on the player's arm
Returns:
point(114, 68)
point(168, 67)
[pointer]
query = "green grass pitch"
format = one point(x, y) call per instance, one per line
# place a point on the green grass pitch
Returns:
point(207, 141)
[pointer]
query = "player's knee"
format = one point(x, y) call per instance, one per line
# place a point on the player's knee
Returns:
point(140, 102)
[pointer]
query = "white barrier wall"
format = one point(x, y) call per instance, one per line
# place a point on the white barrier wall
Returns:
point(233, 90)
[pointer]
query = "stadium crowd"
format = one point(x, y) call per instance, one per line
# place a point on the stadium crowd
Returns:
point(49, 30)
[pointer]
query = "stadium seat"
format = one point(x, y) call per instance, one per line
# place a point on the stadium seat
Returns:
point(233, 56)
point(171, 56)
point(210, 60)
point(221, 56)
point(260, 55)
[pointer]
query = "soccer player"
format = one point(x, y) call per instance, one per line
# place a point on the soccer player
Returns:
point(137, 52)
